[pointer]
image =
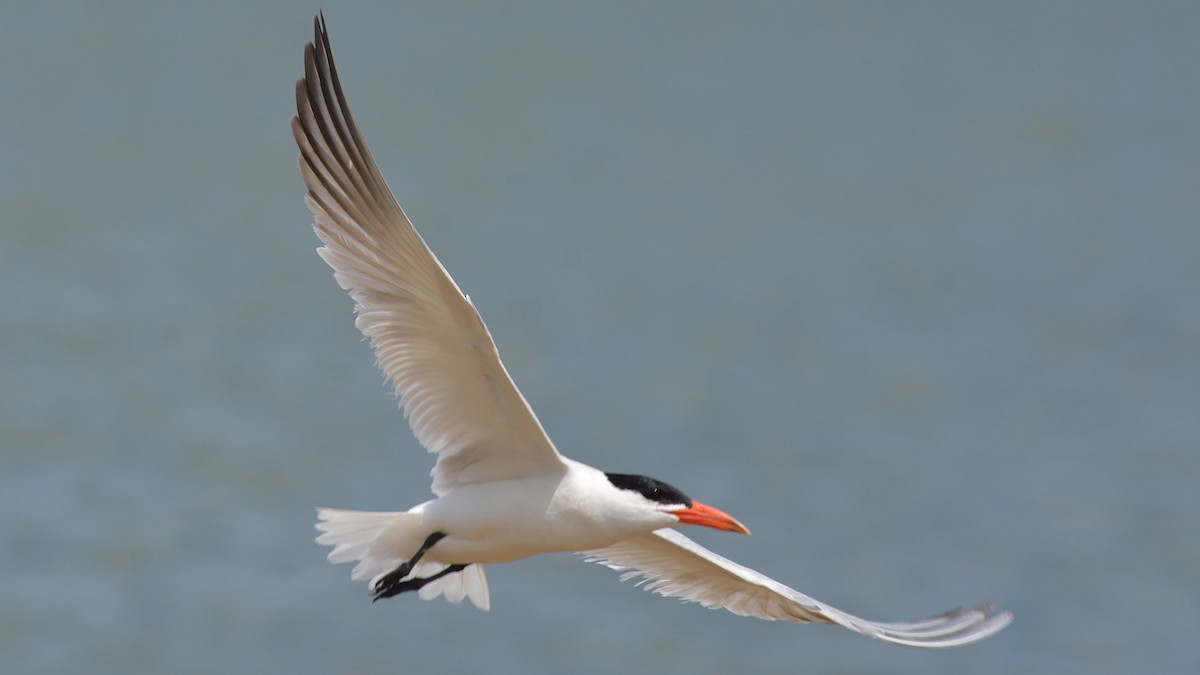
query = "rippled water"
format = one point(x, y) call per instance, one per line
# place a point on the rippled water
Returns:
point(910, 290)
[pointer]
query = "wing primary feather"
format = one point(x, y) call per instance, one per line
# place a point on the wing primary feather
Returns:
point(427, 337)
point(668, 563)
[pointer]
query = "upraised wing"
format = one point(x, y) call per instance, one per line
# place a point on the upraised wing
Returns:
point(670, 564)
point(427, 336)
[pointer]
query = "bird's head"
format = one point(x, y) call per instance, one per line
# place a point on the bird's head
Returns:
point(669, 499)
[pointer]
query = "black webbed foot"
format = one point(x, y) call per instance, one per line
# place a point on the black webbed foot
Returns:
point(393, 577)
point(391, 584)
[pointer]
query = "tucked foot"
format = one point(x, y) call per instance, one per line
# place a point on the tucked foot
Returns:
point(391, 584)
point(394, 577)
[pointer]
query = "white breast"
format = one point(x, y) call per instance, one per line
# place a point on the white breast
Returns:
point(501, 521)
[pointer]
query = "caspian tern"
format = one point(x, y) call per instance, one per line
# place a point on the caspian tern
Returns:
point(503, 492)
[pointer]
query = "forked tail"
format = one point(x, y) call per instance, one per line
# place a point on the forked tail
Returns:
point(381, 542)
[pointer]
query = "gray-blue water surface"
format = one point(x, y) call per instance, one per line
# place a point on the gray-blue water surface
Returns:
point(909, 288)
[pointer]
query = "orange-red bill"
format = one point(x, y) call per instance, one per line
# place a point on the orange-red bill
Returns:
point(703, 514)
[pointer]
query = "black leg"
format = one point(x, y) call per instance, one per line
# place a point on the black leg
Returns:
point(396, 586)
point(392, 578)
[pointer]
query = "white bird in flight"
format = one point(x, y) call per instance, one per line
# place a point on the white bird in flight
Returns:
point(503, 492)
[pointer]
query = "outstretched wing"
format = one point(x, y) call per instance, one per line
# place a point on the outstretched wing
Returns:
point(670, 564)
point(427, 336)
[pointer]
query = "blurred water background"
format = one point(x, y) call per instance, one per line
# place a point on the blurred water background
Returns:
point(912, 289)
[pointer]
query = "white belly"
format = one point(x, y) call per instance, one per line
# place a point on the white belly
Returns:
point(509, 520)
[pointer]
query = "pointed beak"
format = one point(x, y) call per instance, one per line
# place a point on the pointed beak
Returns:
point(703, 514)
